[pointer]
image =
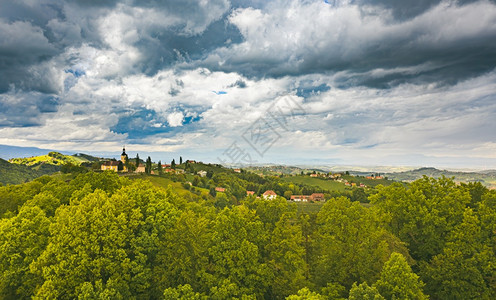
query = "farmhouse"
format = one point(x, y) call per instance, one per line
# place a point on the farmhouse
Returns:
point(220, 189)
point(306, 198)
point(317, 197)
point(300, 198)
point(269, 195)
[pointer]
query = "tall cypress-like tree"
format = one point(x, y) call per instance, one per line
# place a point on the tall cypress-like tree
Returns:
point(159, 167)
point(180, 160)
point(173, 164)
point(137, 160)
point(148, 166)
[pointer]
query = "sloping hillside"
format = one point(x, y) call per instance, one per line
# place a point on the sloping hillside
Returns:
point(52, 158)
point(16, 173)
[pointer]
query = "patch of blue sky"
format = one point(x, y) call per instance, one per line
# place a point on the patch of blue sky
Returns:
point(145, 122)
point(76, 72)
point(370, 146)
point(306, 92)
point(220, 92)
point(348, 141)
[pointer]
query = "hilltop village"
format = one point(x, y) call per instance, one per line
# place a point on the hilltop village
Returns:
point(313, 186)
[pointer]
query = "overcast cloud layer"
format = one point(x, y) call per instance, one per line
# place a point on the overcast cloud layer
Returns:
point(372, 82)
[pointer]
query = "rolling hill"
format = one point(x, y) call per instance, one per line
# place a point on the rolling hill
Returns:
point(18, 173)
point(54, 158)
point(19, 170)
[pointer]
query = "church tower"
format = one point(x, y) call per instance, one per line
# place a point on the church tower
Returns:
point(124, 155)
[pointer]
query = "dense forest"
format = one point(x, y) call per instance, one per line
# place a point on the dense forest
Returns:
point(104, 236)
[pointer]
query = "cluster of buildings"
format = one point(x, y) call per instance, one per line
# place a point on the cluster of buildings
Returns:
point(271, 195)
point(306, 198)
point(267, 195)
point(113, 165)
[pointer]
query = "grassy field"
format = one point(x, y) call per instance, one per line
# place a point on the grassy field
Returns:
point(325, 184)
point(368, 182)
point(309, 208)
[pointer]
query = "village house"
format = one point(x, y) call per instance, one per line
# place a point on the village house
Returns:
point(375, 177)
point(179, 171)
point(237, 170)
point(191, 161)
point(269, 195)
point(317, 197)
point(314, 175)
point(306, 198)
point(110, 166)
point(250, 193)
point(140, 169)
point(300, 198)
point(202, 173)
point(220, 189)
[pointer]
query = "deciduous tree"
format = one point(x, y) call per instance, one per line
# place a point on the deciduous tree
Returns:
point(398, 281)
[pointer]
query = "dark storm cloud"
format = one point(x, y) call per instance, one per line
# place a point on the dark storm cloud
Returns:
point(436, 41)
point(167, 47)
point(35, 35)
point(23, 49)
point(406, 9)
point(36, 12)
point(25, 109)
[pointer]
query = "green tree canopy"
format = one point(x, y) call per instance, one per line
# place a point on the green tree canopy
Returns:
point(398, 281)
point(351, 245)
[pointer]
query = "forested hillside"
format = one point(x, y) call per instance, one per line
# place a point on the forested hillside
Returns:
point(101, 236)
point(15, 173)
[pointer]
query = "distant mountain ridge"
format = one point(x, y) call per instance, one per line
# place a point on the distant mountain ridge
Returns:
point(486, 177)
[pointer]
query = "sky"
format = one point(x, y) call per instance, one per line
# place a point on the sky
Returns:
point(344, 82)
